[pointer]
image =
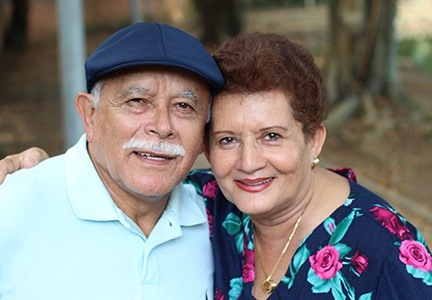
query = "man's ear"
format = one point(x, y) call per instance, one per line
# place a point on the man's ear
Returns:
point(85, 108)
point(317, 141)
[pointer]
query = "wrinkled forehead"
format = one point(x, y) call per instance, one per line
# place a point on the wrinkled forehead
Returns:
point(192, 84)
point(161, 72)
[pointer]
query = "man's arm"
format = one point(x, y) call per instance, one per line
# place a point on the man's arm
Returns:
point(26, 159)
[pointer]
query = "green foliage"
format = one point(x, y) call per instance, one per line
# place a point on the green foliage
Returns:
point(419, 51)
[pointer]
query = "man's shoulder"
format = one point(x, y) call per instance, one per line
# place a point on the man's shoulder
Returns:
point(44, 172)
point(26, 191)
point(33, 201)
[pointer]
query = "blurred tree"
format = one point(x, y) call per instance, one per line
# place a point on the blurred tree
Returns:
point(220, 19)
point(289, 3)
point(16, 34)
point(360, 65)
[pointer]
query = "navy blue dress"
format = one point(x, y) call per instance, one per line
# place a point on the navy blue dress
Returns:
point(364, 250)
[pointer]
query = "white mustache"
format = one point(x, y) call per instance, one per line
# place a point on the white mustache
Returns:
point(159, 147)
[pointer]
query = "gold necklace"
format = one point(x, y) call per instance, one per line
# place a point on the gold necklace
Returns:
point(269, 285)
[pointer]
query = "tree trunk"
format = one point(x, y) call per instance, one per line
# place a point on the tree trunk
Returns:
point(220, 19)
point(16, 35)
point(361, 62)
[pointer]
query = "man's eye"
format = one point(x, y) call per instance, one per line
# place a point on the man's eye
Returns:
point(136, 101)
point(183, 105)
point(137, 105)
point(183, 108)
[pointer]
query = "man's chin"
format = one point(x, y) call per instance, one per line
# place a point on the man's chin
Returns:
point(156, 187)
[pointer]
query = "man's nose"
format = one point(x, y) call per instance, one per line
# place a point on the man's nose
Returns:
point(159, 123)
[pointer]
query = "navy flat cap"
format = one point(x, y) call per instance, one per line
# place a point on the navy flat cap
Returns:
point(152, 44)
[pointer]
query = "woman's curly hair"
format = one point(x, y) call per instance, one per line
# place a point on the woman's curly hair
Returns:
point(258, 62)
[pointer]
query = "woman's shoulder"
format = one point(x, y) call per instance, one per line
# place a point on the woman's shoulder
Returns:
point(382, 228)
point(405, 258)
point(367, 221)
point(200, 175)
point(378, 213)
point(204, 182)
point(384, 251)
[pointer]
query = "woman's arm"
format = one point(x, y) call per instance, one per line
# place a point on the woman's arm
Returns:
point(26, 159)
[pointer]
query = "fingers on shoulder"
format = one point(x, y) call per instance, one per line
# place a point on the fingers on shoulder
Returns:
point(31, 157)
point(8, 165)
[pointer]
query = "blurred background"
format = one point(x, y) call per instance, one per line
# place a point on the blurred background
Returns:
point(375, 57)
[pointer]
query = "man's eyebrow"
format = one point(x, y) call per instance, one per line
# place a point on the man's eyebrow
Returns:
point(133, 90)
point(189, 94)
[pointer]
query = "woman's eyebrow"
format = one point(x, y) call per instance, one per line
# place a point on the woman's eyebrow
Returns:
point(272, 128)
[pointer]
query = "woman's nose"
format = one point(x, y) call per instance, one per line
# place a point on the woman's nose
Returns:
point(251, 158)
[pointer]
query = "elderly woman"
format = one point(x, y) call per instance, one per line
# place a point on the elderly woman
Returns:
point(283, 227)
point(290, 228)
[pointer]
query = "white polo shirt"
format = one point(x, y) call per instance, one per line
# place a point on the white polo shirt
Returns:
point(63, 237)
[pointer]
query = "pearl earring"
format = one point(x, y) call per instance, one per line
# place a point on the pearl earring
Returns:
point(315, 162)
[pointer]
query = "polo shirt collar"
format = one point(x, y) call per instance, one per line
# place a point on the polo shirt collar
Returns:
point(187, 205)
point(91, 200)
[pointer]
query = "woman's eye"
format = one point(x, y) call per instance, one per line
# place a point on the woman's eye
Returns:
point(272, 136)
point(226, 140)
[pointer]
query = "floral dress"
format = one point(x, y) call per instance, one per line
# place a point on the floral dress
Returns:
point(363, 250)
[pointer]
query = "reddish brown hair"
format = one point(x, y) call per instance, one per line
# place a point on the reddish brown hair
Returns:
point(257, 62)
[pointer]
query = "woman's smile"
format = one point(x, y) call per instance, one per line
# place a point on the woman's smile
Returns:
point(254, 185)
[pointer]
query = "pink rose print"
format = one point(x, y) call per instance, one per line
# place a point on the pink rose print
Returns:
point(347, 172)
point(392, 222)
point(326, 262)
point(248, 267)
point(209, 189)
point(352, 176)
point(219, 295)
point(210, 220)
point(359, 262)
point(414, 254)
point(331, 227)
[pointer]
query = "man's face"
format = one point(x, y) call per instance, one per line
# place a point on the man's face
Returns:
point(151, 105)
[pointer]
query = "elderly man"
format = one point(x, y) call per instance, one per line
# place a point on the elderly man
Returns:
point(108, 219)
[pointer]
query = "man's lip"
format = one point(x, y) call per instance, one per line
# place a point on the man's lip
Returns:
point(154, 155)
point(254, 185)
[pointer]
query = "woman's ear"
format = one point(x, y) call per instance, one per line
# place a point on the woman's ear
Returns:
point(317, 141)
point(85, 108)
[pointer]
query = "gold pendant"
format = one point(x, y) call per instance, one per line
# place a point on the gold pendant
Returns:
point(268, 286)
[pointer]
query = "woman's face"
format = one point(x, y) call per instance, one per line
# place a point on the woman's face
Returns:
point(258, 152)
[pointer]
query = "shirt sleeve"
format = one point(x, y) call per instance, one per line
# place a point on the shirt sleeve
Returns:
point(1, 280)
point(406, 277)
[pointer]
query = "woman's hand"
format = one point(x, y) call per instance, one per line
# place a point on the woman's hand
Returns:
point(26, 159)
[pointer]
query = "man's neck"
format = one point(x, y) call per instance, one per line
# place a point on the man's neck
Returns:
point(145, 213)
